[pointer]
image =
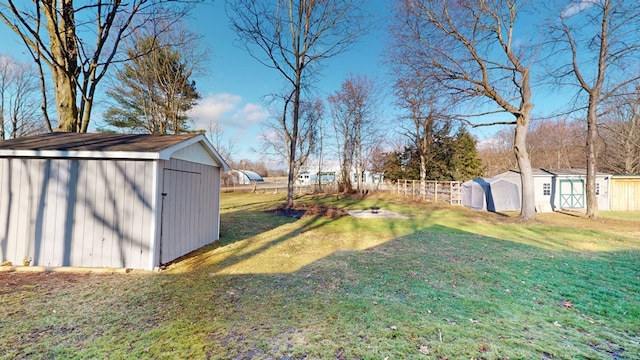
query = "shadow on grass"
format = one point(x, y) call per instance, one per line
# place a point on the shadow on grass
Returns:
point(455, 293)
point(426, 288)
point(245, 235)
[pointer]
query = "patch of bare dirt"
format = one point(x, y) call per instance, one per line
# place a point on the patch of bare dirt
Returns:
point(15, 282)
point(300, 210)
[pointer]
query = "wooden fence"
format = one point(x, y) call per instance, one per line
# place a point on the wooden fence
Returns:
point(445, 191)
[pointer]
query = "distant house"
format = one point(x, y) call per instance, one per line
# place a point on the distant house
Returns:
point(563, 188)
point(107, 200)
point(245, 177)
point(307, 177)
point(331, 175)
point(368, 177)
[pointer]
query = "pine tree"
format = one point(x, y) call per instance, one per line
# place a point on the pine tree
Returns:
point(155, 91)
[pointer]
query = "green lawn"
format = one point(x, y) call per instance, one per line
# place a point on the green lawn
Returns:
point(446, 283)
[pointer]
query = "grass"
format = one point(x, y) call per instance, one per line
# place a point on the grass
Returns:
point(446, 283)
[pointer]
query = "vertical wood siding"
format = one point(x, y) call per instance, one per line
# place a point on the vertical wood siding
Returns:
point(625, 194)
point(76, 212)
point(190, 208)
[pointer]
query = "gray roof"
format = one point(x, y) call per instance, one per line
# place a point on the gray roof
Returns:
point(95, 142)
point(559, 172)
point(106, 146)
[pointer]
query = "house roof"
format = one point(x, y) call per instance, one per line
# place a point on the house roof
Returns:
point(116, 146)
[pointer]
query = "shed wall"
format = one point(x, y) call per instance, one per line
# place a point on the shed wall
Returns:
point(76, 212)
point(625, 194)
point(190, 208)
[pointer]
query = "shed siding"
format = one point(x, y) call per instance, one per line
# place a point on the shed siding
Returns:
point(190, 208)
point(76, 212)
point(625, 194)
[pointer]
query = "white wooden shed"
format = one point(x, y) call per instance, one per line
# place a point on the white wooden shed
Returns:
point(107, 200)
point(557, 189)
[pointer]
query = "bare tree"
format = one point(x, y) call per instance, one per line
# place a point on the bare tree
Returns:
point(295, 37)
point(468, 46)
point(19, 96)
point(354, 110)
point(601, 40)
point(425, 112)
point(215, 134)
point(556, 143)
point(496, 152)
point(275, 139)
point(77, 43)
point(620, 133)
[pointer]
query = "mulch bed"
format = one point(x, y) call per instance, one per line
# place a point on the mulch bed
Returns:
point(300, 210)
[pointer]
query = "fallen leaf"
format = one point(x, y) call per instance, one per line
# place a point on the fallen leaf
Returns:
point(568, 304)
point(484, 348)
point(473, 321)
point(557, 324)
point(424, 349)
point(393, 327)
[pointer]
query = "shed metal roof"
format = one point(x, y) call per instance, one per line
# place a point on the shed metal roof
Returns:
point(104, 146)
point(95, 142)
point(559, 172)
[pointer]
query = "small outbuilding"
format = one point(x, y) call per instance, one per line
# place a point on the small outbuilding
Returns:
point(491, 194)
point(557, 189)
point(107, 200)
point(625, 193)
point(245, 177)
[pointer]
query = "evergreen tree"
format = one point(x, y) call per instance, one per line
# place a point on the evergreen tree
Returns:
point(455, 159)
point(402, 165)
point(464, 162)
point(154, 91)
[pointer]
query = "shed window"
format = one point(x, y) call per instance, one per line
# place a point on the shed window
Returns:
point(546, 189)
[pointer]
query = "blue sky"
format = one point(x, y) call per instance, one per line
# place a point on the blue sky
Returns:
point(235, 84)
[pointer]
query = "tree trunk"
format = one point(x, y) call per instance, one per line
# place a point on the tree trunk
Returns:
point(293, 143)
point(423, 175)
point(592, 136)
point(528, 206)
point(66, 106)
point(64, 67)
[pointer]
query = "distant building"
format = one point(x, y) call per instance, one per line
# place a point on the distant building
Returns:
point(557, 189)
point(245, 177)
point(330, 176)
point(309, 178)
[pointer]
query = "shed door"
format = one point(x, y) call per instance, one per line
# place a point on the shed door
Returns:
point(180, 213)
point(571, 194)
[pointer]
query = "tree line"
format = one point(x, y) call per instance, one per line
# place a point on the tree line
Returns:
point(453, 63)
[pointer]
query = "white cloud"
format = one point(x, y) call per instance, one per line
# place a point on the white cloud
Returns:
point(226, 110)
point(213, 108)
point(251, 113)
point(576, 7)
